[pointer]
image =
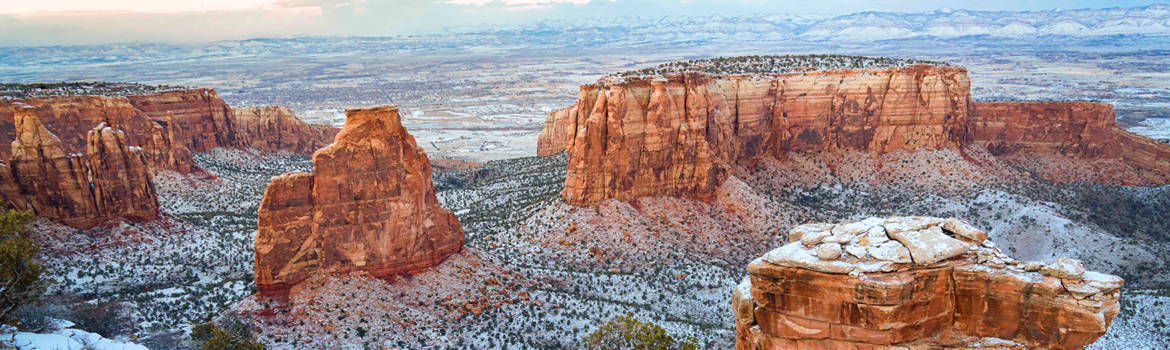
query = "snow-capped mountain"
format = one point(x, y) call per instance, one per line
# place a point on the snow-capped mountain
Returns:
point(1152, 19)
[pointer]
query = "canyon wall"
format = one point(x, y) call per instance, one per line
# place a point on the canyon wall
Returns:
point(369, 205)
point(205, 120)
point(111, 179)
point(677, 135)
point(915, 282)
point(277, 129)
point(71, 117)
point(1057, 138)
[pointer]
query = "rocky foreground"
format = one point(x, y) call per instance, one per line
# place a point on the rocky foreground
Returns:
point(918, 283)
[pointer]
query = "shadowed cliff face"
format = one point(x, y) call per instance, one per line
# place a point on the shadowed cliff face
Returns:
point(1054, 137)
point(368, 206)
point(277, 129)
point(109, 180)
point(677, 135)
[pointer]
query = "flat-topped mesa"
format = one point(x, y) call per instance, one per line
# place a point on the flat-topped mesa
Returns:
point(277, 129)
point(676, 135)
point(915, 282)
point(110, 180)
point(369, 205)
point(1067, 136)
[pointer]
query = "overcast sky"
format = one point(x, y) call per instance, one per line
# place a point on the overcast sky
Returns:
point(84, 22)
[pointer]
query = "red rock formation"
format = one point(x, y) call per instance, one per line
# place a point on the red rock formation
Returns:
point(862, 298)
point(204, 120)
point(71, 117)
point(559, 128)
point(110, 180)
point(277, 129)
point(1066, 135)
point(676, 136)
point(369, 206)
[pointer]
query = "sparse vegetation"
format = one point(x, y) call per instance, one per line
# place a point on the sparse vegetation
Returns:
point(772, 64)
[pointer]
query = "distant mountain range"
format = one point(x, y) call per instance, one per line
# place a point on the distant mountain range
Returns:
point(1089, 27)
point(862, 26)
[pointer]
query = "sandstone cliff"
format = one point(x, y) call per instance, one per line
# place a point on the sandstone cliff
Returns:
point(71, 117)
point(1055, 138)
point(369, 205)
point(277, 129)
point(918, 282)
point(677, 135)
point(110, 180)
point(204, 120)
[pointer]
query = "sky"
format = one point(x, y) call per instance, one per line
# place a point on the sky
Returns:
point(90, 22)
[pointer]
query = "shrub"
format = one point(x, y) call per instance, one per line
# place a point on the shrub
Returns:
point(107, 318)
point(236, 335)
point(20, 274)
point(626, 332)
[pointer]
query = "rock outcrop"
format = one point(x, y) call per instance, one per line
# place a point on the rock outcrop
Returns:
point(677, 135)
point(369, 205)
point(1081, 133)
point(916, 282)
point(70, 118)
point(110, 180)
point(204, 121)
point(277, 129)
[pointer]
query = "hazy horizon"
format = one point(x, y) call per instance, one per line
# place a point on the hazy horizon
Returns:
point(76, 22)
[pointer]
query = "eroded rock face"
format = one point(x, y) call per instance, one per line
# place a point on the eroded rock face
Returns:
point(277, 129)
point(369, 205)
point(678, 134)
point(71, 118)
point(204, 120)
point(868, 299)
point(1066, 135)
point(110, 180)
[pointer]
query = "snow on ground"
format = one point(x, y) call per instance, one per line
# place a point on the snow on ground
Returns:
point(64, 339)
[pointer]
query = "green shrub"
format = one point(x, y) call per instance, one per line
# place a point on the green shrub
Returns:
point(209, 337)
point(626, 332)
point(20, 274)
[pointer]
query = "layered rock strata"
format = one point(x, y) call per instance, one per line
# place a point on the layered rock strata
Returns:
point(110, 180)
point(369, 205)
point(677, 135)
point(915, 282)
point(70, 118)
point(1079, 131)
point(277, 129)
point(204, 120)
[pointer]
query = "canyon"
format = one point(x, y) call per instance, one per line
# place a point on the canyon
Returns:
point(369, 206)
point(915, 282)
point(110, 180)
point(155, 132)
point(680, 134)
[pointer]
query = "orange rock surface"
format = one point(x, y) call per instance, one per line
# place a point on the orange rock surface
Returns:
point(368, 206)
point(277, 129)
point(862, 300)
point(676, 135)
point(71, 117)
point(204, 120)
point(110, 180)
point(1060, 137)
